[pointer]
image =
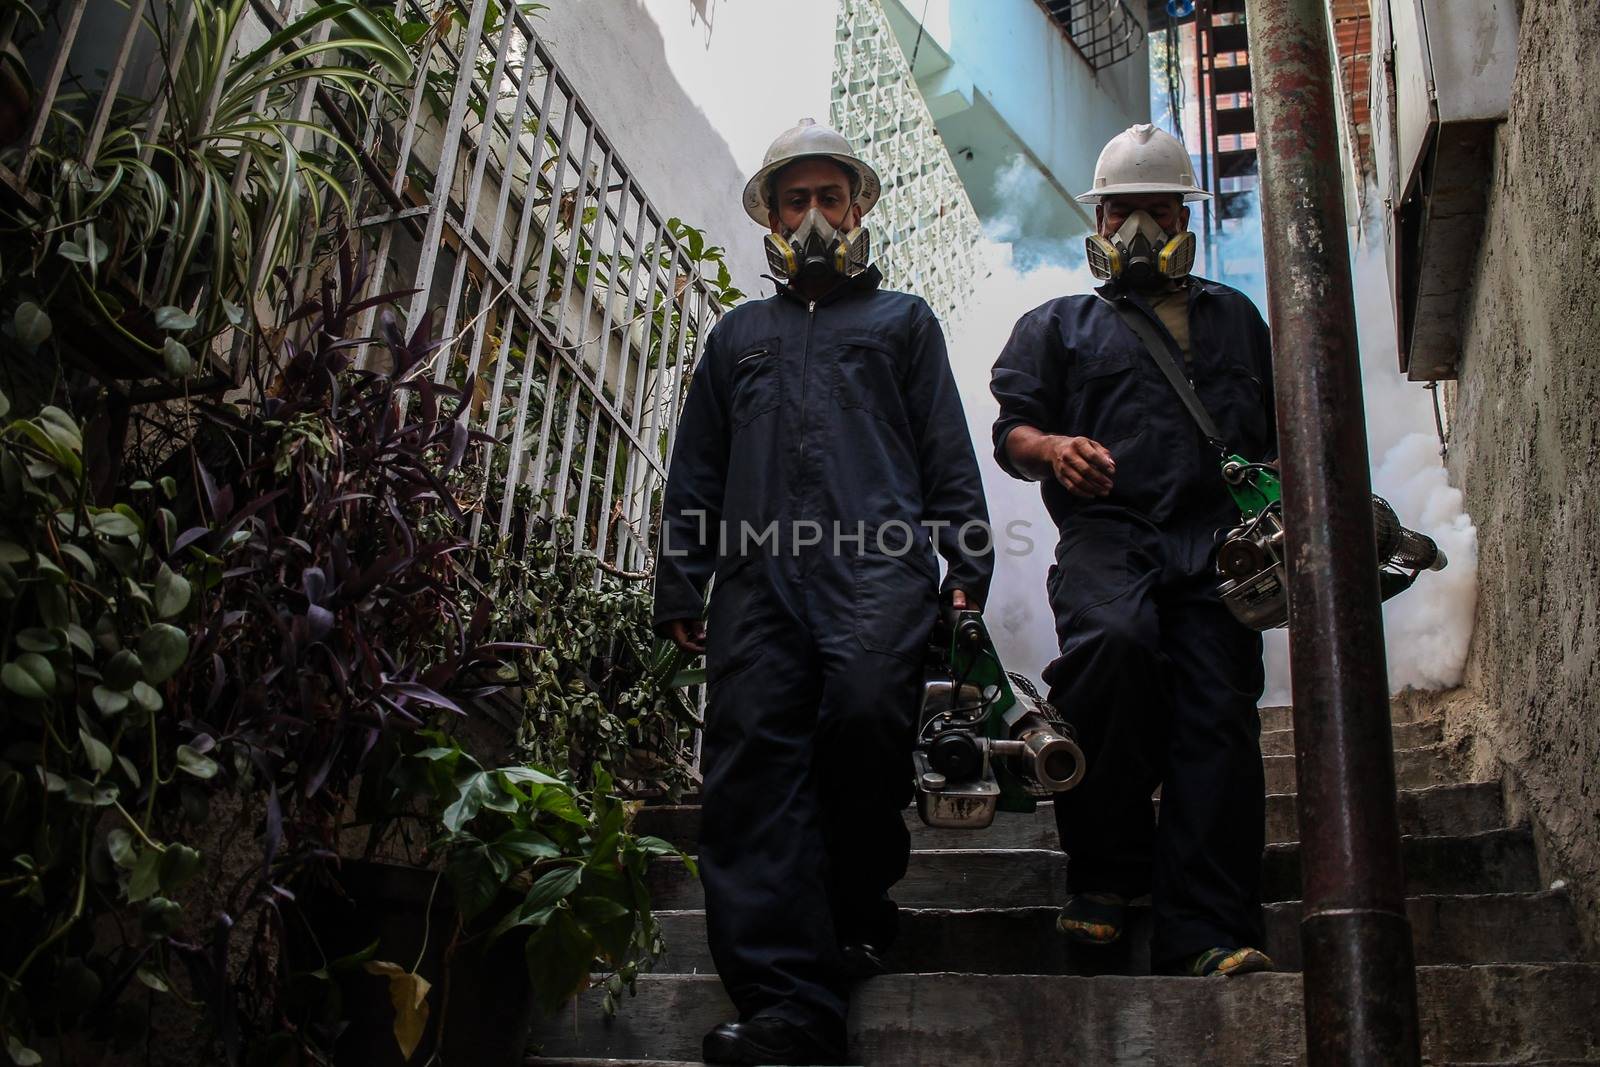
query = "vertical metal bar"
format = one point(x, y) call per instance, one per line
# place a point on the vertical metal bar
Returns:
point(514, 464)
point(625, 398)
point(433, 235)
point(651, 440)
point(52, 85)
point(578, 346)
point(507, 177)
point(693, 295)
point(600, 385)
point(514, 272)
point(626, 546)
point(108, 96)
point(575, 233)
point(1360, 981)
point(159, 74)
point(469, 206)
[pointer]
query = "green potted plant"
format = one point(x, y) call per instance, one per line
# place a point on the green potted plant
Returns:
point(528, 890)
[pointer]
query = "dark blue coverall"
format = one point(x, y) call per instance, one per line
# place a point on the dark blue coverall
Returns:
point(1156, 676)
point(843, 413)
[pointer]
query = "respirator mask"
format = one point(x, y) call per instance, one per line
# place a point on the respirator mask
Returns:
point(1141, 254)
point(815, 250)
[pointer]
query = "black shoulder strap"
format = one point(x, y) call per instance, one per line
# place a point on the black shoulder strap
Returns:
point(1167, 356)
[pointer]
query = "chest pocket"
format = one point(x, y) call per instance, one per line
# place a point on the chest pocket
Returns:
point(1107, 399)
point(1238, 400)
point(757, 385)
point(869, 379)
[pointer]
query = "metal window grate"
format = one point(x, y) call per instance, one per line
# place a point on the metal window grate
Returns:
point(1104, 32)
point(496, 197)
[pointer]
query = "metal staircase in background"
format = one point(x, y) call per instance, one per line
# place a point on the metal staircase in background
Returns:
point(1224, 104)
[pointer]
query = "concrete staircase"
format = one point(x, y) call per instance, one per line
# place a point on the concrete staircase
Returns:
point(981, 977)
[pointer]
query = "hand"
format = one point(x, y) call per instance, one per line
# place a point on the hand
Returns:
point(1083, 466)
point(689, 635)
point(958, 600)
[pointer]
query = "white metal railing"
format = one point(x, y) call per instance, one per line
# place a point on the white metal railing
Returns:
point(496, 197)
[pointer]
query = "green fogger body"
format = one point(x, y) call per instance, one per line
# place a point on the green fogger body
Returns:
point(1250, 561)
point(986, 741)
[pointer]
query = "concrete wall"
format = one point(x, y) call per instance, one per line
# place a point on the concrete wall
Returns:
point(1526, 447)
point(693, 91)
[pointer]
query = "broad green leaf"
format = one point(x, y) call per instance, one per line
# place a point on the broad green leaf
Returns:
point(172, 592)
point(129, 769)
point(30, 325)
point(120, 844)
point(655, 846)
point(153, 979)
point(552, 888)
point(179, 863)
point(559, 956)
point(146, 876)
point(176, 358)
point(109, 701)
point(96, 750)
point(163, 648)
point(123, 670)
point(160, 916)
point(5, 404)
point(21, 1054)
point(81, 558)
point(61, 429)
point(37, 639)
point(408, 992)
point(526, 846)
point(80, 640)
point(175, 318)
point(473, 792)
point(11, 552)
point(528, 774)
point(30, 676)
point(146, 697)
point(114, 524)
point(91, 794)
point(192, 762)
point(475, 879)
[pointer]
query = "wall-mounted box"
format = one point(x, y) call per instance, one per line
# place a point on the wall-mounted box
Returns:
point(1441, 83)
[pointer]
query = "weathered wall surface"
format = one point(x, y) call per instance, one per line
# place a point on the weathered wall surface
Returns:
point(1526, 446)
point(693, 91)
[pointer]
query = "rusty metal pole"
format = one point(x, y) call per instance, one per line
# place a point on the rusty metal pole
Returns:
point(1360, 978)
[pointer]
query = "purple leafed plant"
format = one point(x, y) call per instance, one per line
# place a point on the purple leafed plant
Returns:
point(337, 614)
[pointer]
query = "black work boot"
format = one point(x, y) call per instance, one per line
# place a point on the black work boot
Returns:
point(766, 1039)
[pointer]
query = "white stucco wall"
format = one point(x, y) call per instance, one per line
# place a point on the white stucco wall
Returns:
point(691, 92)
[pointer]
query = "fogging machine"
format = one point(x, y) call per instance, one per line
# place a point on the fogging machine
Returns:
point(1255, 581)
point(986, 742)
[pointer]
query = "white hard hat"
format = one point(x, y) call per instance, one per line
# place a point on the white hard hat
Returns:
point(804, 141)
point(1143, 159)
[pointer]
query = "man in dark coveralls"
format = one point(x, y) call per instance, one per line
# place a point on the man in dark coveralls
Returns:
point(1155, 674)
point(822, 456)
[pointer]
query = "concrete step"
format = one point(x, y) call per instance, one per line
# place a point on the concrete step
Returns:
point(1406, 735)
point(1499, 861)
point(1441, 810)
point(1414, 768)
point(1281, 717)
point(1494, 928)
point(1512, 1012)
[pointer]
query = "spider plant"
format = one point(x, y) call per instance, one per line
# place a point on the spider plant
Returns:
point(196, 197)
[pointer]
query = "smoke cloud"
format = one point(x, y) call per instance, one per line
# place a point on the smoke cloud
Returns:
point(1426, 629)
